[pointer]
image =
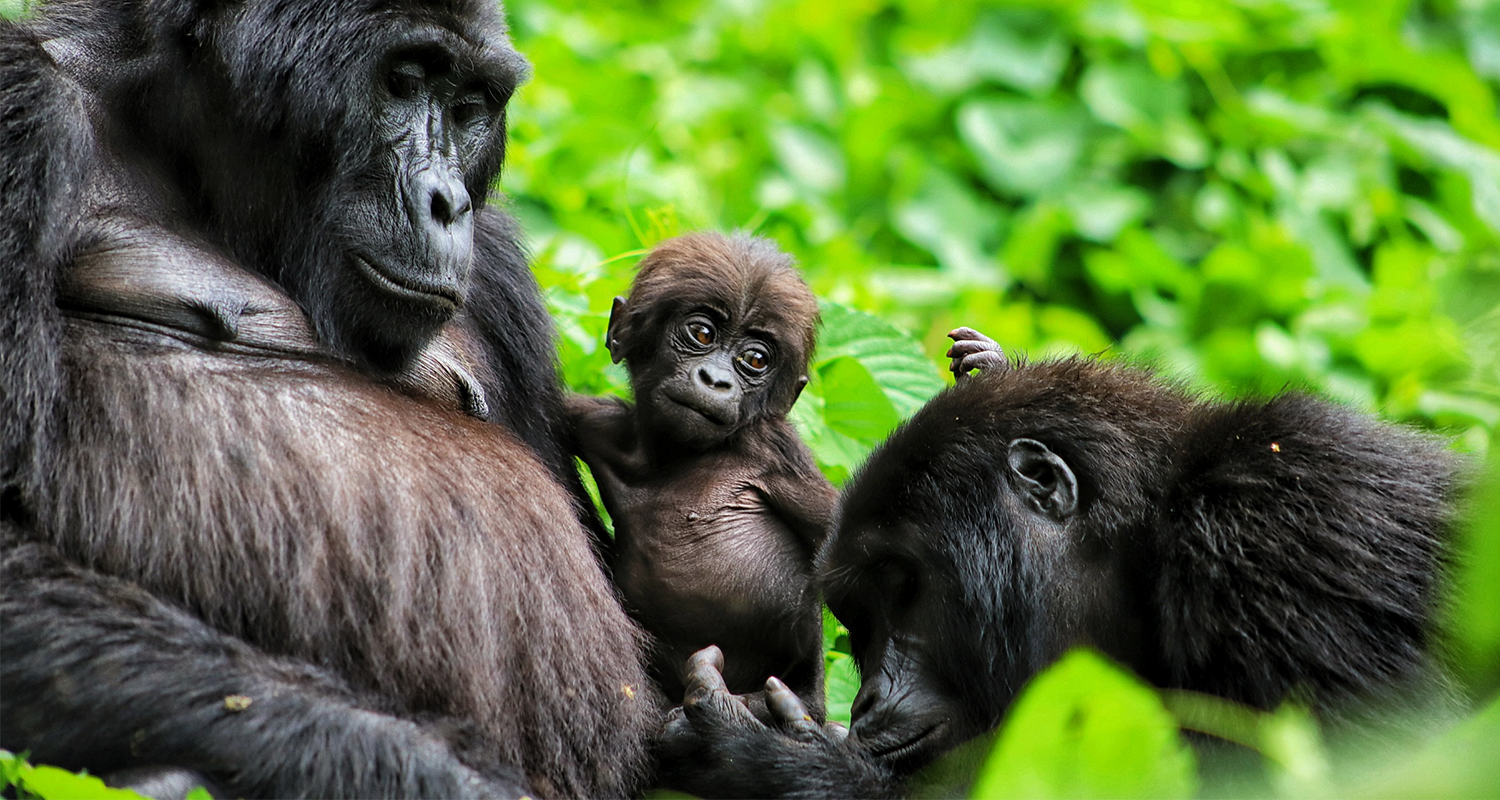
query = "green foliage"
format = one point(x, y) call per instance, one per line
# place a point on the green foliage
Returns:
point(1085, 729)
point(51, 783)
point(1250, 194)
point(1475, 616)
point(15, 9)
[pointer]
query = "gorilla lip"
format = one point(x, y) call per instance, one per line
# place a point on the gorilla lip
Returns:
point(405, 288)
point(907, 747)
point(716, 420)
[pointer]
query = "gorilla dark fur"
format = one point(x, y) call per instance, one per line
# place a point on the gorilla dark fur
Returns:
point(1256, 550)
point(262, 348)
point(717, 505)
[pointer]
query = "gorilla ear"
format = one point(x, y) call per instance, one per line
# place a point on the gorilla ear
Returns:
point(612, 333)
point(1043, 478)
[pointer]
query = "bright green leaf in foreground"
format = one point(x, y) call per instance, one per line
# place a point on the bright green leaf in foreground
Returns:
point(51, 783)
point(1086, 729)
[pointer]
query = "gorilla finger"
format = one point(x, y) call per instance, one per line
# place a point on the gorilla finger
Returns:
point(835, 731)
point(788, 709)
point(968, 347)
point(705, 676)
point(986, 361)
point(965, 333)
point(710, 656)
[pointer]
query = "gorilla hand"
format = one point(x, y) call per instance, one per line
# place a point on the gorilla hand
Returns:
point(713, 745)
point(973, 350)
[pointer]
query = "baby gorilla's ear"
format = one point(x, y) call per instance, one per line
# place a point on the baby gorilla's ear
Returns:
point(613, 332)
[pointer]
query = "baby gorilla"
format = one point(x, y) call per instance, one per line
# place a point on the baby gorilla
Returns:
point(717, 505)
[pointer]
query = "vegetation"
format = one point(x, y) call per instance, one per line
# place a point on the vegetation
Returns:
point(1247, 194)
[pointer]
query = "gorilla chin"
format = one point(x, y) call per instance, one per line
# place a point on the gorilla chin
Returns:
point(441, 297)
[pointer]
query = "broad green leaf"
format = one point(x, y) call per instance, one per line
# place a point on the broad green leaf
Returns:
point(809, 158)
point(853, 403)
point(953, 223)
point(1085, 729)
point(905, 374)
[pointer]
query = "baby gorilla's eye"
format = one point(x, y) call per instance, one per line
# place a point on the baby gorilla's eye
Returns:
point(755, 360)
point(701, 332)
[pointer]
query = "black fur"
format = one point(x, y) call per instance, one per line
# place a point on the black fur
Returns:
point(236, 465)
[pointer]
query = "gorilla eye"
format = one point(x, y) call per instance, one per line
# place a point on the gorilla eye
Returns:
point(405, 80)
point(470, 108)
point(754, 360)
point(701, 332)
point(898, 585)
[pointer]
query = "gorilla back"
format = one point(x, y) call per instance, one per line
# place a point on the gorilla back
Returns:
point(286, 414)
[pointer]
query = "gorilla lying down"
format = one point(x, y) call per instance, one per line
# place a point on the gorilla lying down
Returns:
point(1255, 550)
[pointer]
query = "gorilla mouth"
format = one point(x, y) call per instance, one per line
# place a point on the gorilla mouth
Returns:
point(712, 415)
point(403, 286)
point(906, 748)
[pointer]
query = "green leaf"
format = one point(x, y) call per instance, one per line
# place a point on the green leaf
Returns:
point(52, 783)
point(1085, 729)
point(896, 362)
point(1475, 617)
point(1152, 108)
point(1290, 739)
point(953, 223)
point(853, 403)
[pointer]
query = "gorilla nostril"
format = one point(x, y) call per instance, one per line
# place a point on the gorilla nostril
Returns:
point(449, 204)
point(710, 381)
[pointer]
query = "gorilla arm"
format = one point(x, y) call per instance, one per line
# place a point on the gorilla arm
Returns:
point(93, 661)
point(45, 149)
point(793, 487)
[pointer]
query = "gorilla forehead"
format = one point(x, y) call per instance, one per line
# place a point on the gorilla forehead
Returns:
point(316, 47)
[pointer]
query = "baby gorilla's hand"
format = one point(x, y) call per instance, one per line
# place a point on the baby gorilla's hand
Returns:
point(973, 350)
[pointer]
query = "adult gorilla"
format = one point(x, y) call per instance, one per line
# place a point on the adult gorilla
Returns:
point(282, 497)
point(1254, 550)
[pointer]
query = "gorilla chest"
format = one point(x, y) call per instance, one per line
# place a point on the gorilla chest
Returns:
point(709, 539)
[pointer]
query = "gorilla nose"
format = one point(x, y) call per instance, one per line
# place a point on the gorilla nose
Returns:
point(715, 379)
point(449, 201)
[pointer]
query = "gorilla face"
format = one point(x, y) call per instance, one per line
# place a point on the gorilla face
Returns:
point(347, 154)
point(435, 119)
point(952, 566)
point(407, 231)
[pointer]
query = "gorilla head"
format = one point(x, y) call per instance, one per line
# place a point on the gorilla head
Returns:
point(341, 151)
point(1242, 549)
